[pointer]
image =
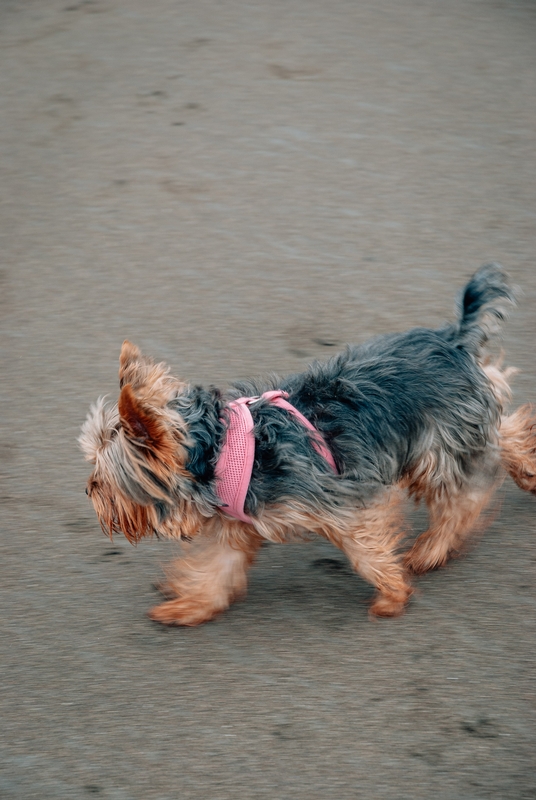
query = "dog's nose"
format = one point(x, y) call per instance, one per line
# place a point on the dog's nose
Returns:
point(87, 491)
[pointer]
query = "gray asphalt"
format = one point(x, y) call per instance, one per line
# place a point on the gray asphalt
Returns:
point(239, 187)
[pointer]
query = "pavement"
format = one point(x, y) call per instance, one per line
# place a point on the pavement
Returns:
point(239, 187)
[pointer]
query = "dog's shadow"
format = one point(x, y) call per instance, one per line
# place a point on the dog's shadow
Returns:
point(315, 578)
point(304, 580)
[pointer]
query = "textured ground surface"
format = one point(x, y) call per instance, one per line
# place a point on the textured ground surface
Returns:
point(238, 187)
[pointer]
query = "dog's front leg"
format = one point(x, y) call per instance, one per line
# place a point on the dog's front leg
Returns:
point(210, 576)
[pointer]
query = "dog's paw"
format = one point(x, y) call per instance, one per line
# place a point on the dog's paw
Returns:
point(182, 612)
point(389, 605)
point(418, 560)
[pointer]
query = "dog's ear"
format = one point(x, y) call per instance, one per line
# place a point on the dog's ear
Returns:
point(150, 382)
point(150, 429)
point(142, 424)
point(132, 364)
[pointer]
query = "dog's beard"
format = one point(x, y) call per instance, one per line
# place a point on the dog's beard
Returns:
point(118, 514)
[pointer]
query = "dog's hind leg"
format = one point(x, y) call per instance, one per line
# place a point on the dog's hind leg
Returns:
point(518, 446)
point(370, 543)
point(453, 517)
point(207, 580)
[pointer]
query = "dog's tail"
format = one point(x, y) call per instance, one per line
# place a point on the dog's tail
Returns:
point(483, 306)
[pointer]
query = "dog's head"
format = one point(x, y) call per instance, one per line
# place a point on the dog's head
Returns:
point(139, 484)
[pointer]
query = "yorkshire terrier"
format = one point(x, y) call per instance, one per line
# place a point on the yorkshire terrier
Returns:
point(418, 413)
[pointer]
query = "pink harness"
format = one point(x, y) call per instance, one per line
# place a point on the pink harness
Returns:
point(235, 464)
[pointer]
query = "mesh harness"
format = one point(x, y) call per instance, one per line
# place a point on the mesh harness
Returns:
point(235, 464)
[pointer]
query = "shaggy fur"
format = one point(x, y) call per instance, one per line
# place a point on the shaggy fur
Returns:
point(418, 413)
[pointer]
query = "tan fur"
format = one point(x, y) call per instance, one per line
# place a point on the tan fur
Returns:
point(499, 378)
point(453, 518)
point(207, 580)
point(517, 433)
point(151, 382)
point(518, 446)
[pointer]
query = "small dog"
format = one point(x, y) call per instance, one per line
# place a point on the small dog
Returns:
point(418, 413)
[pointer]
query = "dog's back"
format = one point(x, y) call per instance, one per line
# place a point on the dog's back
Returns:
point(404, 404)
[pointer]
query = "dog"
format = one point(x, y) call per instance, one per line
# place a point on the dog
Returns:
point(418, 414)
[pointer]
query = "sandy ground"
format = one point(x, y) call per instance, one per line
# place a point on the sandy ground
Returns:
point(239, 187)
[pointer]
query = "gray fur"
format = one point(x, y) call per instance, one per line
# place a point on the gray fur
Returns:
point(382, 407)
